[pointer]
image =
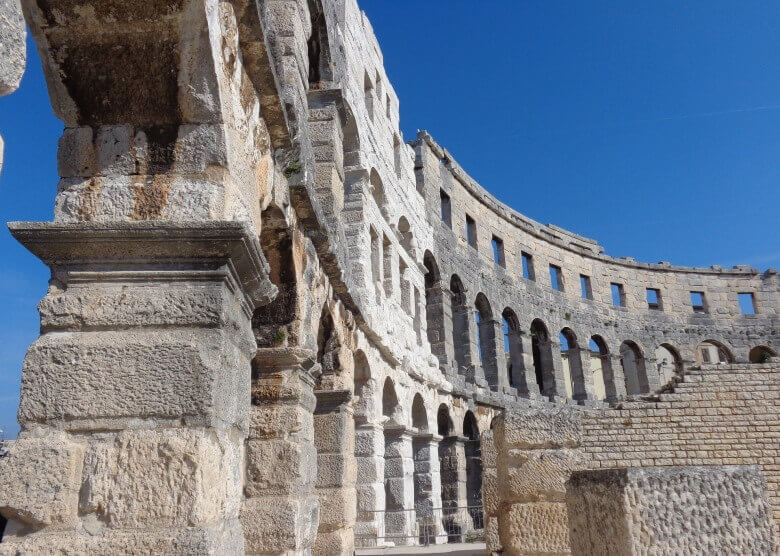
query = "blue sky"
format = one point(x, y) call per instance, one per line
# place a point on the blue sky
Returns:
point(653, 127)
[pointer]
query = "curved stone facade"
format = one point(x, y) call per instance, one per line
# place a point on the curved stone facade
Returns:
point(277, 278)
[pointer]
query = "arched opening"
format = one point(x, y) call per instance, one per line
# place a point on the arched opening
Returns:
point(668, 363)
point(486, 339)
point(419, 414)
point(328, 347)
point(399, 469)
point(460, 324)
point(274, 324)
point(362, 391)
point(397, 155)
point(444, 424)
point(513, 349)
point(601, 370)
point(378, 192)
point(542, 357)
point(634, 371)
point(473, 466)
point(434, 308)
point(711, 352)
point(571, 362)
point(320, 68)
point(761, 354)
point(425, 456)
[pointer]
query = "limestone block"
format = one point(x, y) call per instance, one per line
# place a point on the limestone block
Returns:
point(337, 508)
point(281, 420)
point(369, 442)
point(166, 478)
point(492, 541)
point(370, 470)
point(40, 479)
point(370, 497)
point(550, 428)
point(399, 493)
point(333, 432)
point(488, 449)
point(490, 493)
point(535, 528)
point(670, 510)
point(279, 467)
point(184, 374)
point(12, 45)
point(538, 475)
point(226, 539)
point(335, 470)
point(279, 524)
point(335, 543)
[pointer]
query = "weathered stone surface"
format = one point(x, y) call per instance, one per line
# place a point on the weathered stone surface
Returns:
point(274, 525)
point(279, 467)
point(40, 479)
point(558, 428)
point(169, 478)
point(673, 510)
point(536, 528)
point(12, 47)
point(538, 475)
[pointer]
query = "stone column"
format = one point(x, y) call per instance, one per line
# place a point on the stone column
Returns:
point(399, 486)
point(495, 332)
point(476, 370)
point(135, 398)
point(281, 510)
point(370, 488)
point(427, 488)
point(581, 379)
point(334, 439)
point(617, 374)
point(439, 317)
point(651, 372)
point(557, 369)
point(452, 458)
point(527, 372)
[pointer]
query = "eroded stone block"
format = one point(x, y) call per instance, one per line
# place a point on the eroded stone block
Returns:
point(534, 528)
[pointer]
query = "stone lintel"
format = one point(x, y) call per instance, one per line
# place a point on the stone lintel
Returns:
point(106, 248)
point(274, 360)
point(331, 401)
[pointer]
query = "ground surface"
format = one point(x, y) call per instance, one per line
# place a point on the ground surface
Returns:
point(464, 549)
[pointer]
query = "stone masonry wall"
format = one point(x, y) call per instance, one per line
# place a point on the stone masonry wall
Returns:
point(718, 415)
point(713, 415)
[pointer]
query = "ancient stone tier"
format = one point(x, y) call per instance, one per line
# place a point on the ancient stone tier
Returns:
point(274, 326)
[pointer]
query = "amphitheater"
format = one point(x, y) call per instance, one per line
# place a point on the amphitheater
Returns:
point(275, 326)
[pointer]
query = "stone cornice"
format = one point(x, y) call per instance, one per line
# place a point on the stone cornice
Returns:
point(127, 245)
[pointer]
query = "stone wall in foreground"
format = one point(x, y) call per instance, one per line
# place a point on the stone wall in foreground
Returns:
point(714, 415)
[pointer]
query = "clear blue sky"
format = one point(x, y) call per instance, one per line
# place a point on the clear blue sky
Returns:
point(653, 127)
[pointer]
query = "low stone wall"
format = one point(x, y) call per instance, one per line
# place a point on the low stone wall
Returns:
point(670, 510)
point(715, 415)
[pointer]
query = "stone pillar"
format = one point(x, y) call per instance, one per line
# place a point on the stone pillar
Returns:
point(527, 370)
point(135, 398)
point(618, 377)
point(581, 379)
point(427, 488)
point(651, 372)
point(439, 318)
point(476, 370)
point(452, 458)
point(370, 488)
point(12, 61)
point(399, 486)
point(281, 510)
point(557, 369)
point(495, 332)
point(334, 439)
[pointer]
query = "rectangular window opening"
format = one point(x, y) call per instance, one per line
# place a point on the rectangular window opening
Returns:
point(654, 299)
point(697, 302)
point(498, 251)
point(528, 266)
point(618, 295)
point(556, 278)
point(587, 291)
point(446, 209)
point(747, 303)
point(471, 231)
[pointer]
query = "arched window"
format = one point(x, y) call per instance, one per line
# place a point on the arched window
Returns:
point(513, 348)
point(378, 192)
point(633, 361)
point(320, 69)
point(434, 308)
point(711, 352)
point(542, 357)
point(390, 406)
point(362, 397)
point(368, 93)
point(473, 465)
point(328, 345)
point(407, 238)
point(668, 363)
point(460, 324)
point(761, 354)
point(601, 370)
point(486, 340)
point(419, 415)
point(571, 361)
point(444, 424)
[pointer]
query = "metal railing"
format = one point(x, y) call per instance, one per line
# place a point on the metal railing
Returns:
point(420, 527)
